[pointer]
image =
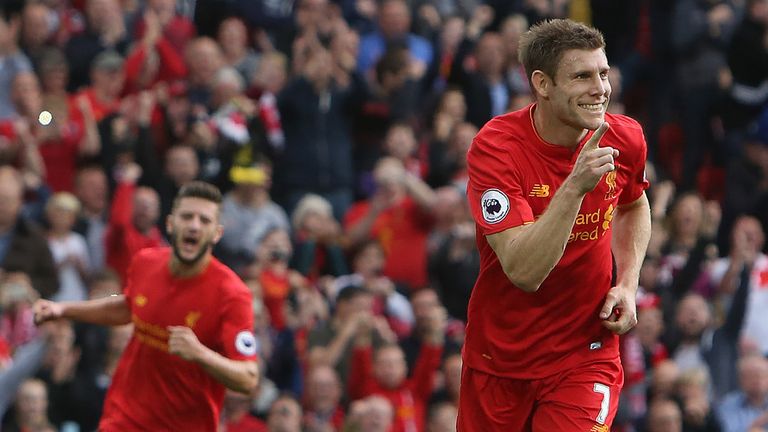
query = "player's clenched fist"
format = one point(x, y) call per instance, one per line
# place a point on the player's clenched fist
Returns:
point(183, 342)
point(45, 310)
point(593, 162)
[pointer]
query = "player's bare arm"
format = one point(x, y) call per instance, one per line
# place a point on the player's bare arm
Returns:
point(631, 233)
point(112, 311)
point(528, 253)
point(238, 375)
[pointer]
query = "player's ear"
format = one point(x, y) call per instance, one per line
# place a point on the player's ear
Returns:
point(169, 223)
point(219, 232)
point(540, 83)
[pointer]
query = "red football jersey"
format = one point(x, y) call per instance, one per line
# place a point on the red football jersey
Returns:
point(513, 175)
point(155, 390)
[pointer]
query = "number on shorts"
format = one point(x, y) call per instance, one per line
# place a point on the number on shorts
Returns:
point(605, 403)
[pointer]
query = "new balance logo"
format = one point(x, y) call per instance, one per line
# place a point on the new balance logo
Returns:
point(540, 191)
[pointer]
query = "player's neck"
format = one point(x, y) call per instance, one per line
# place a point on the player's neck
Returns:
point(553, 131)
point(180, 269)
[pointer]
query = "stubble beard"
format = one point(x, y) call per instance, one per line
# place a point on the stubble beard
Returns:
point(204, 248)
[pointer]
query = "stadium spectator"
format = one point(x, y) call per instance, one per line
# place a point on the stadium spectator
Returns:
point(284, 415)
point(24, 247)
point(31, 408)
point(314, 111)
point(132, 221)
point(317, 239)
point(248, 214)
point(331, 341)
point(69, 250)
point(105, 31)
point(92, 190)
point(14, 60)
point(394, 22)
point(398, 216)
point(485, 88)
point(323, 411)
point(664, 415)
point(742, 409)
point(233, 38)
point(385, 372)
point(374, 414)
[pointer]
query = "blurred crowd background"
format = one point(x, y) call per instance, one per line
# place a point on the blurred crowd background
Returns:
point(337, 130)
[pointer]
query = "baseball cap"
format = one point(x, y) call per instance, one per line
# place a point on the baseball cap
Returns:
point(254, 175)
point(108, 60)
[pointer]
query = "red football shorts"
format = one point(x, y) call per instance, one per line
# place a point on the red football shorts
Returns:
point(583, 399)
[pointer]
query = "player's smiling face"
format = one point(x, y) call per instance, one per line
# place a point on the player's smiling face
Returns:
point(194, 228)
point(581, 92)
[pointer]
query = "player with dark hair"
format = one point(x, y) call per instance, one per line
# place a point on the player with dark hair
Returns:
point(558, 197)
point(193, 326)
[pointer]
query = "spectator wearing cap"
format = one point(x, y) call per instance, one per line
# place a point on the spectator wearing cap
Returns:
point(107, 80)
point(105, 30)
point(247, 214)
point(11, 57)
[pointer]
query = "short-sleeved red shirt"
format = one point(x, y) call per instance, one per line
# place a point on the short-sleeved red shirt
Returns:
point(513, 175)
point(155, 390)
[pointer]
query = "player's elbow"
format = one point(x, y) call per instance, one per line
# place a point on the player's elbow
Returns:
point(248, 386)
point(248, 381)
point(524, 282)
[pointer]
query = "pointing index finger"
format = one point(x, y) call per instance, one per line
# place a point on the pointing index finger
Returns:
point(594, 141)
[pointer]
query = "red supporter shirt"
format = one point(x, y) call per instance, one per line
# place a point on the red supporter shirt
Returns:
point(410, 400)
point(158, 391)
point(402, 231)
point(122, 239)
point(275, 288)
point(513, 175)
point(60, 155)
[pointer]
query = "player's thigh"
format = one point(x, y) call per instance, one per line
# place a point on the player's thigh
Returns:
point(585, 399)
point(489, 403)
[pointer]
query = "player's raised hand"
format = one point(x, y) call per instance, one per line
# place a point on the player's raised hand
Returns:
point(183, 342)
point(619, 312)
point(46, 310)
point(593, 162)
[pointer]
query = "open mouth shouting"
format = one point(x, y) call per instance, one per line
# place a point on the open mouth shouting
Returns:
point(189, 247)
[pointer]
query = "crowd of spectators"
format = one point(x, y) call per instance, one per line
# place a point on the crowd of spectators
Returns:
point(337, 130)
